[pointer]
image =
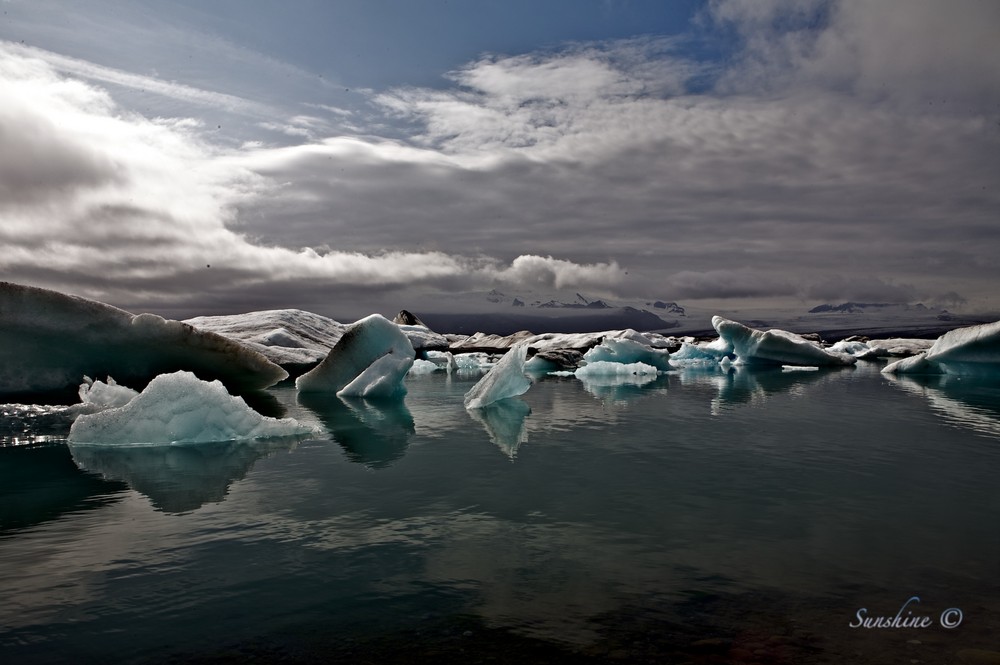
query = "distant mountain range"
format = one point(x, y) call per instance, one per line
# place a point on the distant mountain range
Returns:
point(881, 308)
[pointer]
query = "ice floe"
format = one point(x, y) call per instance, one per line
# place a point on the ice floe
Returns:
point(180, 408)
point(369, 360)
point(49, 340)
point(775, 347)
point(505, 379)
point(973, 350)
point(627, 352)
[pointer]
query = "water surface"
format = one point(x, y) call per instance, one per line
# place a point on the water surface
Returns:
point(701, 515)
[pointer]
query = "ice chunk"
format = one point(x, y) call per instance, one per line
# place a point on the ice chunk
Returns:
point(628, 351)
point(853, 348)
point(370, 360)
point(425, 367)
point(608, 368)
point(444, 358)
point(505, 379)
point(180, 408)
point(107, 395)
point(48, 340)
point(473, 361)
point(775, 347)
point(899, 347)
point(973, 350)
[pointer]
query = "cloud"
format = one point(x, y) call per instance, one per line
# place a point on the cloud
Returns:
point(109, 201)
point(811, 156)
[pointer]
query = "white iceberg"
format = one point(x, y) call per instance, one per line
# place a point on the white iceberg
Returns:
point(628, 351)
point(370, 360)
point(180, 408)
point(775, 347)
point(505, 379)
point(603, 368)
point(425, 367)
point(473, 362)
point(48, 340)
point(972, 350)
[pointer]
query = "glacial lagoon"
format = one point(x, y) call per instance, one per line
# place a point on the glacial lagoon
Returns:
point(699, 516)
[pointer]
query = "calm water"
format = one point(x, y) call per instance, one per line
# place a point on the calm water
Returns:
point(701, 517)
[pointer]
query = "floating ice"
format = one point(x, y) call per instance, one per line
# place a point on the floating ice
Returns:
point(628, 351)
point(608, 368)
point(295, 339)
point(505, 379)
point(424, 367)
point(443, 358)
point(423, 338)
point(180, 408)
point(775, 347)
point(473, 361)
point(370, 360)
point(896, 347)
point(549, 361)
point(557, 341)
point(48, 340)
point(105, 395)
point(972, 350)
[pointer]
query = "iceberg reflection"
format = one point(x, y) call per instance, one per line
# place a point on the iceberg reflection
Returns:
point(620, 387)
point(744, 385)
point(968, 402)
point(177, 478)
point(504, 422)
point(374, 434)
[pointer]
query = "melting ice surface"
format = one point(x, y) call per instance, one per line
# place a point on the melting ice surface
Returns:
point(369, 360)
point(505, 379)
point(180, 408)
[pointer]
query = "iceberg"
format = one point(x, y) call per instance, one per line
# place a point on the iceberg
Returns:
point(775, 347)
point(974, 350)
point(551, 361)
point(48, 340)
point(292, 338)
point(369, 360)
point(180, 408)
point(505, 379)
point(425, 367)
point(604, 368)
point(628, 351)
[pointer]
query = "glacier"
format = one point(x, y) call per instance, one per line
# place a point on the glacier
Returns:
point(180, 408)
point(775, 347)
point(505, 379)
point(49, 340)
point(369, 360)
point(974, 350)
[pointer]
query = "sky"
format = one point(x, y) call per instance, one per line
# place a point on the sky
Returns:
point(354, 156)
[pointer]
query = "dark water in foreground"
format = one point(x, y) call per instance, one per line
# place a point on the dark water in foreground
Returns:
point(702, 517)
